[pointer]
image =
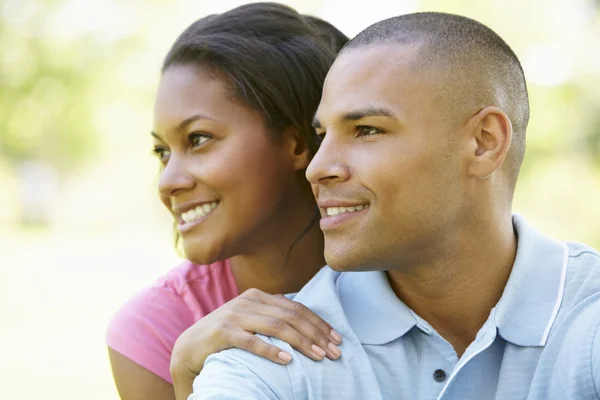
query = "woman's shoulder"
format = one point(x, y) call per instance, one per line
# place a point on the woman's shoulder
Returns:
point(188, 273)
point(202, 288)
point(188, 291)
point(145, 327)
point(179, 298)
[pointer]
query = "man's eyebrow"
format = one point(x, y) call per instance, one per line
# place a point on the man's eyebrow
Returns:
point(359, 114)
point(367, 112)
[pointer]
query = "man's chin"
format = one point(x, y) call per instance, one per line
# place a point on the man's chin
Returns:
point(342, 264)
point(346, 261)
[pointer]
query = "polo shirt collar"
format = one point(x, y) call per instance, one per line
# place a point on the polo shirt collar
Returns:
point(374, 312)
point(524, 315)
point(534, 291)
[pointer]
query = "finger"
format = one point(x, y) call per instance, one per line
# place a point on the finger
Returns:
point(277, 327)
point(305, 312)
point(254, 294)
point(295, 314)
point(252, 343)
point(298, 308)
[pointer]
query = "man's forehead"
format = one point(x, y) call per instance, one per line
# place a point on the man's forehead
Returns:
point(382, 58)
point(367, 76)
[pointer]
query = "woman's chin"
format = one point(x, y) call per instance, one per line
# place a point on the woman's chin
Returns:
point(200, 255)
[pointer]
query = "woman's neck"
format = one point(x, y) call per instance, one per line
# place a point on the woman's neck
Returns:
point(281, 267)
point(288, 251)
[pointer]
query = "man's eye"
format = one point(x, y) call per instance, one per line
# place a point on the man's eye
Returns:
point(161, 153)
point(365, 130)
point(198, 139)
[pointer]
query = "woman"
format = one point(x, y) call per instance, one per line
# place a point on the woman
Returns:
point(232, 129)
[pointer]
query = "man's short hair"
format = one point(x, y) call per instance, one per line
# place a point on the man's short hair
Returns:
point(474, 66)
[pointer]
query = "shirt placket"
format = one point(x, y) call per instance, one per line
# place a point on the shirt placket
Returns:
point(438, 359)
point(485, 338)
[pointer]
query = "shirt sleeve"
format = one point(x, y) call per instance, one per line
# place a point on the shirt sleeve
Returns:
point(146, 327)
point(237, 374)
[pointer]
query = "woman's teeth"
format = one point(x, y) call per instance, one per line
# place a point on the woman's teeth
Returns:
point(341, 210)
point(198, 212)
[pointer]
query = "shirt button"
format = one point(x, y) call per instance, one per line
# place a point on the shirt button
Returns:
point(439, 375)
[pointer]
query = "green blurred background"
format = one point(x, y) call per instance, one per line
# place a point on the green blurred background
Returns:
point(81, 228)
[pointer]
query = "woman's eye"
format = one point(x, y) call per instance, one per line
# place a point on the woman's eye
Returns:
point(365, 130)
point(198, 139)
point(162, 154)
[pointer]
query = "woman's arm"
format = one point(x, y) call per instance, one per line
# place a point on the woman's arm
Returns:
point(135, 382)
point(234, 325)
point(140, 338)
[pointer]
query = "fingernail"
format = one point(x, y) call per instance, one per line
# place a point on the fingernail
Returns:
point(319, 352)
point(285, 357)
point(334, 350)
point(336, 337)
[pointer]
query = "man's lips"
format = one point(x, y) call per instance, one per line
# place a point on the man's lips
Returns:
point(336, 207)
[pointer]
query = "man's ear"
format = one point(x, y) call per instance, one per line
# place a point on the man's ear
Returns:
point(491, 134)
point(297, 148)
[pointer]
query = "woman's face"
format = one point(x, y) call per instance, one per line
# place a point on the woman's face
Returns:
point(226, 180)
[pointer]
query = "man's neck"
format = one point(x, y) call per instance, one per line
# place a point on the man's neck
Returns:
point(456, 292)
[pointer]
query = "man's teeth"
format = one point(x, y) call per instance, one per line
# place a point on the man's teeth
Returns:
point(341, 210)
point(198, 212)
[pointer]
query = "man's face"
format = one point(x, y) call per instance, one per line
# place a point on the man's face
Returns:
point(387, 176)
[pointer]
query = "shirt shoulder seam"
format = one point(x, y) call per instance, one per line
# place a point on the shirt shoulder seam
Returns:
point(178, 285)
point(597, 330)
point(287, 371)
point(582, 252)
point(180, 298)
point(241, 361)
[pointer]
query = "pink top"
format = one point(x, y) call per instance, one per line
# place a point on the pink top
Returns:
point(146, 327)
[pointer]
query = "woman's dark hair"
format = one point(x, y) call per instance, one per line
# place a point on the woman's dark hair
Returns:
point(275, 58)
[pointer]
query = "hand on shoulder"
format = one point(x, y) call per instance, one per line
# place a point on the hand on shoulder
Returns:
point(234, 325)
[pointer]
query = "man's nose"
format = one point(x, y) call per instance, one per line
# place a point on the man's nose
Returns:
point(328, 166)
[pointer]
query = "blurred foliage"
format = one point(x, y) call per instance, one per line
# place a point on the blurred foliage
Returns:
point(44, 91)
point(56, 65)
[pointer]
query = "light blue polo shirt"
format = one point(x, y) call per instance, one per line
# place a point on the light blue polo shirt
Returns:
point(540, 342)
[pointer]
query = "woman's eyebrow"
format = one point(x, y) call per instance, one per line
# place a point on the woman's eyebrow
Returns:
point(156, 135)
point(183, 124)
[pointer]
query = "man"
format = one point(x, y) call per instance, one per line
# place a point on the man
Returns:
point(423, 119)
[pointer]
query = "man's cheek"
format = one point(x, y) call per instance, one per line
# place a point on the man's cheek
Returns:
point(315, 190)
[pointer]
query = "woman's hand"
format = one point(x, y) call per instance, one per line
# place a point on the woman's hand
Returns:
point(234, 325)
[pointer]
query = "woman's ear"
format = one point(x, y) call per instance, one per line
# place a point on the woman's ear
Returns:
point(297, 148)
point(490, 141)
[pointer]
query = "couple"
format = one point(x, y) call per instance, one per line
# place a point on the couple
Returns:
point(434, 289)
